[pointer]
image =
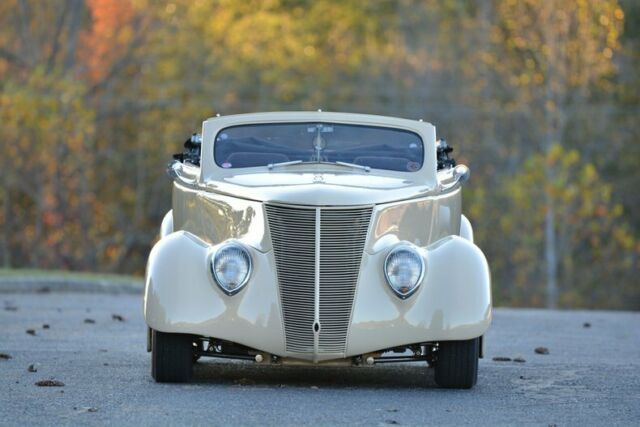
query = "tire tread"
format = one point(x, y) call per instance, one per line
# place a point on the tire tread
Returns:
point(171, 357)
point(457, 364)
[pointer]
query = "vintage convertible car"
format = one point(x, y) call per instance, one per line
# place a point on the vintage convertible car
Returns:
point(317, 238)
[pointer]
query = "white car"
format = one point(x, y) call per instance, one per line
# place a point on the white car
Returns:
point(317, 238)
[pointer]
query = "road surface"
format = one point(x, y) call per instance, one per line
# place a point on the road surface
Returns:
point(590, 376)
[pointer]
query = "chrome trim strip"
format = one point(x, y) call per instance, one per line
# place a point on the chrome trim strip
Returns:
point(316, 311)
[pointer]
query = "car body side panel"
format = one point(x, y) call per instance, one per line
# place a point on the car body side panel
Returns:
point(419, 221)
point(215, 218)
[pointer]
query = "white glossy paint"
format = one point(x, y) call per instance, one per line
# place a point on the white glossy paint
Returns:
point(166, 227)
point(181, 296)
point(453, 302)
point(320, 184)
point(212, 205)
point(466, 230)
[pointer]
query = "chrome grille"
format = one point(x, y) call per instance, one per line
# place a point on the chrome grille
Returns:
point(317, 288)
point(293, 238)
point(342, 236)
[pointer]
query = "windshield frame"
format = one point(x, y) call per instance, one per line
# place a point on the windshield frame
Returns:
point(318, 123)
point(214, 177)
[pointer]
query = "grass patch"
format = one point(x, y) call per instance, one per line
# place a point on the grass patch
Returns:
point(63, 274)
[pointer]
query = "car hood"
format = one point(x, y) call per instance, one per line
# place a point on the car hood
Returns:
point(320, 189)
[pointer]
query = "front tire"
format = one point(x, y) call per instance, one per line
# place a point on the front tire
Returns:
point(457, 364)
point(171, 357)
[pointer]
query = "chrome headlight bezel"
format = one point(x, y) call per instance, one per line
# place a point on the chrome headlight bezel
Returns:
point(212, 266)
point(405, 247)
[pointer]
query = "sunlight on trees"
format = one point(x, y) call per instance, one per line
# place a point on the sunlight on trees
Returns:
point(539, 97)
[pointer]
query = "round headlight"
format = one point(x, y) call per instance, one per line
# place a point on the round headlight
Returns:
point(404, 268)
point(231, 266)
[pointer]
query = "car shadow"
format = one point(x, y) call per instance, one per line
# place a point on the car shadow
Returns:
point(251, 374)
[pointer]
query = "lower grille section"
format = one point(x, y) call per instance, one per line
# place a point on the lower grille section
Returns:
point(318, 252)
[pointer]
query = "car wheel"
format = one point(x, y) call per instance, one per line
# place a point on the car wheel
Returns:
point(171, 357)
point(457, 364)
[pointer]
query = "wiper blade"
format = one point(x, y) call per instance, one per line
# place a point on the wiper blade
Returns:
point(297, 162)
point(276, 165)
point(353, 165)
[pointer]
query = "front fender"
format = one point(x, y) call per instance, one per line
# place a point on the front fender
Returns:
point(452, 303)
point(182, 297)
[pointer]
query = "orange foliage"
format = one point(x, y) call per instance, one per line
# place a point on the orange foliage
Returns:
point(110, 31)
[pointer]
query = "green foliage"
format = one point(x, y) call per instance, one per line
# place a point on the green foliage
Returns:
point(597, 249)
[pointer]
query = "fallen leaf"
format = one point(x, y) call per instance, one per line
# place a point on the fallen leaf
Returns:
point(586, 325)
point(117, 317)
point(519, 359)
point(5, 356)
point(45, 326)
point(11, 308)
point(32, 368)
point(542, 350)
point(50, 383)
point(393, 422)
point(501, 359)
point(31, 331)
point(89, 321)
point(244, 381)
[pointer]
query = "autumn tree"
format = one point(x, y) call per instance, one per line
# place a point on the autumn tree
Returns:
point(555, 54)
point(95, 95)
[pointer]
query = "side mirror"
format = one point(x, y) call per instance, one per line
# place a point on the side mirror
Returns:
point(461, 174)
point(454, 177)
point(183, 174)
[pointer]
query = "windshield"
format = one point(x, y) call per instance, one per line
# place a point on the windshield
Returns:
point(248, 146)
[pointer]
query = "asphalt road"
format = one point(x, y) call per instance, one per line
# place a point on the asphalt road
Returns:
point(590, 376)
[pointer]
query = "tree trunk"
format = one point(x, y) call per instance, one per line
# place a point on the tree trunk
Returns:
point(6, 213)
point(550, 255)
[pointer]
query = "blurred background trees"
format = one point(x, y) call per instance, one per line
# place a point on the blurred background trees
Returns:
point(540, 97)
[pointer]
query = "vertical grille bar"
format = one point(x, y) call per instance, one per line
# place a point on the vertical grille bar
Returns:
point(343, 233)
